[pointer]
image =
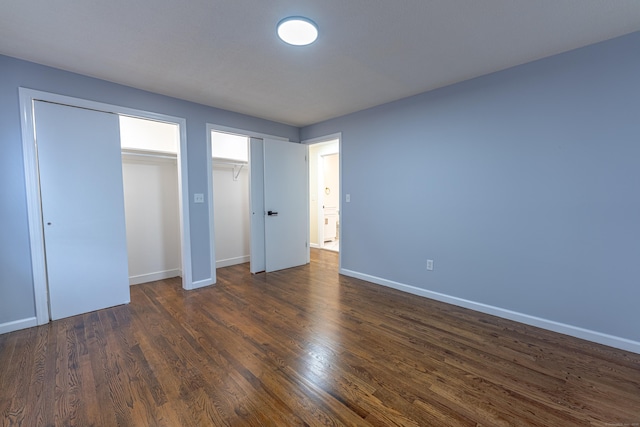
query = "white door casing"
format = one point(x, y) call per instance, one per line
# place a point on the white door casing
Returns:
point(326, 141)
point(82, 208)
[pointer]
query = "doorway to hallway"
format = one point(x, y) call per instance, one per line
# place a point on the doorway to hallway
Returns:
point(324, 195)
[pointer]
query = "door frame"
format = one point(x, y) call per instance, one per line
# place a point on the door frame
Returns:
point(210, 194)
point(320, 140)
point(27, 98)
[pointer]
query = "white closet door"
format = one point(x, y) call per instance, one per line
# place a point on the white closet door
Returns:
point(80, 170)
point(256, 200)
point(286, 192)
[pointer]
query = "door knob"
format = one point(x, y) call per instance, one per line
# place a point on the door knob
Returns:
point(272, 213)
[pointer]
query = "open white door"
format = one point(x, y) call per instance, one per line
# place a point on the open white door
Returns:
point(80, 170)
point(285, 202)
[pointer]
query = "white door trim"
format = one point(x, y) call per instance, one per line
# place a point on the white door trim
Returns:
point(34, 209)
point(210, 195)
point(243, 132)
point(320, 140)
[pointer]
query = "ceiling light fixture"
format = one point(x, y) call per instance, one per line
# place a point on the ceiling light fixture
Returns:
point(297, 31)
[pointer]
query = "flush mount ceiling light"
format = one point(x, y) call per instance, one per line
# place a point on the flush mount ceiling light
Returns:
point(297, 31)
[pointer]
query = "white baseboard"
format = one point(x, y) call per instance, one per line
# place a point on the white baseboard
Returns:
point(314, 245)
point(202, 283)
point(152, 277)
point(232, 261)
point(562, 328)
point(16, 325)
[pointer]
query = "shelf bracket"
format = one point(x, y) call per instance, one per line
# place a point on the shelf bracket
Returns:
point(236, 171)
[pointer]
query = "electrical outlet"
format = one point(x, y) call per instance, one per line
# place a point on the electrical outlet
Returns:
point(348, 198)
point(198, 198)
point(429, 264)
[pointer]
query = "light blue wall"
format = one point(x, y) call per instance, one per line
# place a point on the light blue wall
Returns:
point(16, 282)
point(523, 186)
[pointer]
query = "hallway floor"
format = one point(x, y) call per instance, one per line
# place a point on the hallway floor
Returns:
point(332, 246)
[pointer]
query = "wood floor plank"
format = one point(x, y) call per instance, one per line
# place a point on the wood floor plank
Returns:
point(70, 409)
point(306, 347)
point(187, 383)
point(40, 394)
point(98, 353)
point(7, 380)
point(21, 363)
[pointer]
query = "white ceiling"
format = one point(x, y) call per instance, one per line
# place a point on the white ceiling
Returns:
point(225, 53)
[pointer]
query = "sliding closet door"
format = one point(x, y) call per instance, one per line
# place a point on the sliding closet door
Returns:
point(80, 170)
point(256, 201)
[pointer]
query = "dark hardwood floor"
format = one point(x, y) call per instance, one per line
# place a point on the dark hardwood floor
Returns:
point(306, 346)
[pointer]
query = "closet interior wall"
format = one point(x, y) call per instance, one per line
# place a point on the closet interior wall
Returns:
point(231, 212)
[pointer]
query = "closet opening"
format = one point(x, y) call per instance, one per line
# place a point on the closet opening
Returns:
point(151, 198)
point(231, 207)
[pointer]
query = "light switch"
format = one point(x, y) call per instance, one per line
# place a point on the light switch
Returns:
point(198, 198)
point(348, 198)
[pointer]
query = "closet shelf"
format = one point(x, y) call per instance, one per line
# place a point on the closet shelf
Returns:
point(150, 154)
point(233, 162)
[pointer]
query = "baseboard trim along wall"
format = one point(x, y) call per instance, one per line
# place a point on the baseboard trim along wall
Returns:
point(152, 277)
point(201, 284)
point(16, 325)
point(574, 331)
point(232, 261)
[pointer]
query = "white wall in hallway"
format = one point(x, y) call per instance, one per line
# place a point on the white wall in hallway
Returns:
point(315, 153)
